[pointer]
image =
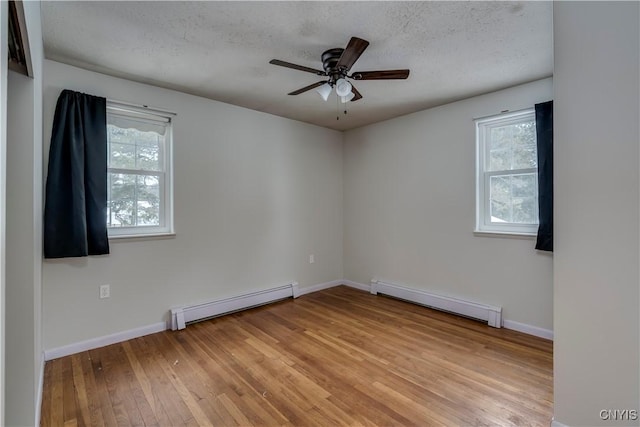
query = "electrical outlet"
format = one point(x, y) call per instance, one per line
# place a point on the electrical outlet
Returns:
point(312, 259)
point(105, 291)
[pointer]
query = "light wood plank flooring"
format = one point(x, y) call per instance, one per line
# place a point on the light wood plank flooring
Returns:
point(335, 357)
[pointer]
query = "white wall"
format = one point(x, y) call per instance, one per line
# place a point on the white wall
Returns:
point(24, 234)
point(409, 197)
point(255, 195)
point(596, 278)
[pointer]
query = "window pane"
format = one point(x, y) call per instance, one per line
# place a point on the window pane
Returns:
point(514, 198)
point(148, 200)
point(121, 209)
point(134, 200)
point(148, 152)
point(512, 147)
point(134, 149)
point(122, 155)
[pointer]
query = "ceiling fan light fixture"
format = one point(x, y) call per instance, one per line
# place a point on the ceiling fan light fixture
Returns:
point(324, 91)
point(343, 87)
point(347, 98)
point(336, 64)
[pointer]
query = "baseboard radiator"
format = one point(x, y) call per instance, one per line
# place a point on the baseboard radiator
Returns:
point(181, 316)
point(491, 314)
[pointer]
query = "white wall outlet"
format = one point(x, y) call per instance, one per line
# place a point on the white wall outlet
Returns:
point(312, 259)
point(105, 291)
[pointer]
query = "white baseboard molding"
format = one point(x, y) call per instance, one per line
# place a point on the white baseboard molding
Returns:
point(180, 316)
point(333, 284)
point(292, 290)
point(356, 285)
point(320, 287)
point(215, 308)
point(528, 329)
point(491, 314)
point(555, 423)
point(98, 342)
point(40, 390)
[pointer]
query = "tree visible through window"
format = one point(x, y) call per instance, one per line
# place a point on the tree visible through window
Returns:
point(138, 173)
point(507, 179)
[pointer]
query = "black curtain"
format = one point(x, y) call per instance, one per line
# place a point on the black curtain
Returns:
point(544, 134)
point(75, 213)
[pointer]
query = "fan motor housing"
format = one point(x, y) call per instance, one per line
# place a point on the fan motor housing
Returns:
point(330, 60)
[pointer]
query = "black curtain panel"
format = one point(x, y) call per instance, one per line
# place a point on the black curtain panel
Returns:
point(544, 134)
point(75, 214)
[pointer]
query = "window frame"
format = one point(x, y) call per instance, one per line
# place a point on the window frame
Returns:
point(483, 128)
point(165, 176)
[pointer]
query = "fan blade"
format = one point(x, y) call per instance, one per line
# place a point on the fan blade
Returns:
point(380, 75)
point(297, 67)
point(306, 88)
point(356, 93)
point(351, 54)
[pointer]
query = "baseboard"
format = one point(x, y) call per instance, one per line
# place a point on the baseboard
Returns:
point(334, 283)
point(294, 290)
point(291, 290)
point(491, 314)
point(528, 329)
point(319, 287)
point(40, 390)
point(356, 285)
point(92, 343)
point(555, 423)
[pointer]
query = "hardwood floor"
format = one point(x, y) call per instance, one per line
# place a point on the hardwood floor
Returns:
point(335, 357)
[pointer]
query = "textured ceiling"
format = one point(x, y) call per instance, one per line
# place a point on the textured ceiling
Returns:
point(221, 50)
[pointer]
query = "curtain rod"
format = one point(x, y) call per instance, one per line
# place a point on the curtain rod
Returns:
point(142, 107)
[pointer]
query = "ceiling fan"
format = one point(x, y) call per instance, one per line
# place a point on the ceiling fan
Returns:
point(337, 63)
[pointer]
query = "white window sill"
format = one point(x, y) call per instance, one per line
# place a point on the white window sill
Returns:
point(505, 234)
point(150, 236)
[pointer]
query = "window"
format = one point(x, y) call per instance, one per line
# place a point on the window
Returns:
point(507, 174)
point(139, 172)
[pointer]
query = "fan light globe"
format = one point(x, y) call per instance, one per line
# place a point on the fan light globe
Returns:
point(347, 98)
point(324, 91)
point(343, 87)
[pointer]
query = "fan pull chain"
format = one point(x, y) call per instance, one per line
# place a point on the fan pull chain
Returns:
point(338, 107)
